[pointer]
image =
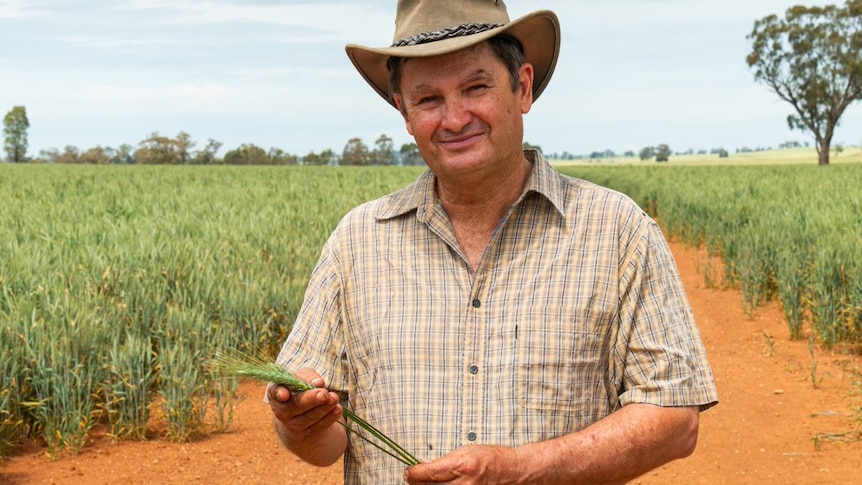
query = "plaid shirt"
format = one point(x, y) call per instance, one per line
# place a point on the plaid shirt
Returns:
point(576, 310)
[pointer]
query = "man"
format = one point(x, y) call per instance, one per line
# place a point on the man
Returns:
point(502, 322)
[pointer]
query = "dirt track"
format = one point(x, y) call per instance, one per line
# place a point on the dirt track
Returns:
point(762, 432)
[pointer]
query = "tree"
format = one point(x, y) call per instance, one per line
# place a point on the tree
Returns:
point(124, 154)
point(70, 154)
point(277, 156)
point(313, 159)
point(326, 157)
point(247, 154)
point(207, 155)
point(157, 149)
point(410, 154)
point(329, 157)
point(97, 156)
point(530, 146)
point(355, 153)
point(646, 153)
point(662, 153)
point(812, 58)
point(15, 126)
point(183, 145)
point(383, 152)
point(839, 147)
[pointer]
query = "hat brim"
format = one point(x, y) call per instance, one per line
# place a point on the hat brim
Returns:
point(538, 33)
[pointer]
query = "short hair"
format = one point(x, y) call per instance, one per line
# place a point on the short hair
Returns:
point(507, 49)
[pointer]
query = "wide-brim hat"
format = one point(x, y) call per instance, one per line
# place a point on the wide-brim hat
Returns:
point(425, 28)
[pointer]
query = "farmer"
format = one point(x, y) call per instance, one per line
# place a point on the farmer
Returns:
point(502, 322)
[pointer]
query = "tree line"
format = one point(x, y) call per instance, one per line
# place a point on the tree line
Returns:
point(183, 150)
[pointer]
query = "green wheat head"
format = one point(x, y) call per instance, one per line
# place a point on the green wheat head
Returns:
point(239, 364)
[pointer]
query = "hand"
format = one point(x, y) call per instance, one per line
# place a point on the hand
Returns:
point(308, 414)
point(472, 464)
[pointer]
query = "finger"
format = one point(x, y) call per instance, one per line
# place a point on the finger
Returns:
point(310, 376)
point(324, 422)
point(277, 393)
point(310, 410)
point(428, 473)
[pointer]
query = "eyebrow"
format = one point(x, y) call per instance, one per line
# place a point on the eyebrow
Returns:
point(478, 74)
point(424, 89)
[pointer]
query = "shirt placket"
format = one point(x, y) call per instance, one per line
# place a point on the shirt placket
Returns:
point(472, 366)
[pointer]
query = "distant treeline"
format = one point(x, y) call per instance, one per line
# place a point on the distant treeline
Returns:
point(181, 150)
point(662, 152)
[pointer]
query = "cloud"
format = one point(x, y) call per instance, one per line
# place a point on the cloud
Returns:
point(175, 94)
point(104, 42)
point(338, 20)
point(295, 72)
point(298, 38)
point(586, 16)
point(21, 9)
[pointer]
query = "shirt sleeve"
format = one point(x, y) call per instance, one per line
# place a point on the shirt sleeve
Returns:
point(658, 356)
point(316, 339)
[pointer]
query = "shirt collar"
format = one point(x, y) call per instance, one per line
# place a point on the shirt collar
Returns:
point(420, 196)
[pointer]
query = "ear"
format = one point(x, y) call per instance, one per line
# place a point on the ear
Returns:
point(525, 88)
point(399, 103)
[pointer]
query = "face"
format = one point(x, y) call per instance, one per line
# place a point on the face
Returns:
point(462, 112)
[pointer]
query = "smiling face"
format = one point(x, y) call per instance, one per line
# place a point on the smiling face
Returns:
point(463, 113)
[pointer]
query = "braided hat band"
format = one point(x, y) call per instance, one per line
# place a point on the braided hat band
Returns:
point(447, 33)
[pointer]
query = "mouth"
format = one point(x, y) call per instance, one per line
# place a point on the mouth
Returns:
point(460, 142)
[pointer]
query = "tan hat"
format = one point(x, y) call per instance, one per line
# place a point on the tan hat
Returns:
point(425, 28)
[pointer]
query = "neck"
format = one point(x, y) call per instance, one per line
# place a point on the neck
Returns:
point(476, 209)
point(484, 201)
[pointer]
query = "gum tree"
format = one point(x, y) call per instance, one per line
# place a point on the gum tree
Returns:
point(811, 58)
point(15, 126)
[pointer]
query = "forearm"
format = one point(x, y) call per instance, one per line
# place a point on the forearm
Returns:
point(322, 450)
point(622, 446)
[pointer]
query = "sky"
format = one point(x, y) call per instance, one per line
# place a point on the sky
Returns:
point(631, 74)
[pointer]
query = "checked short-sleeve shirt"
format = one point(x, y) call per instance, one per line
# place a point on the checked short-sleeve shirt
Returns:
point(576, 309)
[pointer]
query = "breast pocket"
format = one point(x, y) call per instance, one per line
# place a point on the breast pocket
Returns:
point(561, 365)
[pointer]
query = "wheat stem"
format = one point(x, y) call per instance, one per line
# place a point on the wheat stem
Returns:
point(237, 363)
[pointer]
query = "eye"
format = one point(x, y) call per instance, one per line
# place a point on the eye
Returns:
point(427, 100)
point(477, 88)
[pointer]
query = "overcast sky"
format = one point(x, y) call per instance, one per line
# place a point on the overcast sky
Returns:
point(632, 73)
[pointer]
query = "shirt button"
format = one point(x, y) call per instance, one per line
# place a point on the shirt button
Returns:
point(474, 369)
point(471, 436)
point(477, 303)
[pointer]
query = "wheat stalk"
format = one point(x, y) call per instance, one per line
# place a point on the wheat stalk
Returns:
point(240, 364)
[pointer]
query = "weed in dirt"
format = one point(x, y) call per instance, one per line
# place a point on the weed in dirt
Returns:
point(854, 435)
point(769, 342)
point(815, 380)
point(711, 276)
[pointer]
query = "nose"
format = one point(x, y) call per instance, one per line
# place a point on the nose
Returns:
point(456, 114)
